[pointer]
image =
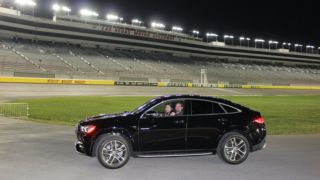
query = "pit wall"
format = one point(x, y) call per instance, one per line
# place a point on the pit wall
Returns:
point(140, 83)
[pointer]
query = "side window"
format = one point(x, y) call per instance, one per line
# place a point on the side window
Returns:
point(206, 107)
point(216, 108)
point(230, 109)
point(201, 107)
point(169, 108)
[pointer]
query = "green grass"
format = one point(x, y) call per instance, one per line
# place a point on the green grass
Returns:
point(283, 114)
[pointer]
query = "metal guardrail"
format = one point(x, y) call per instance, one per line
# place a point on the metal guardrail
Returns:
point(15, 110)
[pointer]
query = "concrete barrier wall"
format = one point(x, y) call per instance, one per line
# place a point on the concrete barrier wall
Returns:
point(141, 83)
point(54, 81)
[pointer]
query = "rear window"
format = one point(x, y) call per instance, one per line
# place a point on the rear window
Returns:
point(205, 107)
point(230, 109)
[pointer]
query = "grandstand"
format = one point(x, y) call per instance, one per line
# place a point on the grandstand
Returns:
point(82, 48)
point(27, 58)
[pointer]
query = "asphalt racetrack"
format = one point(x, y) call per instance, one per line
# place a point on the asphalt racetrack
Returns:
point(34, 151)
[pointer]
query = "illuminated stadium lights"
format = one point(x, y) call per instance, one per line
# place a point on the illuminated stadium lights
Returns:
point(242, 38)
point(157, 25)
point(309, 47)
point(66, 9)
point(136, 21)
point(273, 42)
point(56, 8)
point(177, 28)
point(112, 17)
point(195, 32)
point(212, 35)
point(25, 3)
point(228, 37)
point(87, 12)
point(258, 41)
point(298, 46)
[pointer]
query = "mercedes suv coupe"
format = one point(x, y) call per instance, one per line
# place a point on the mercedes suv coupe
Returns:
point(175, 125)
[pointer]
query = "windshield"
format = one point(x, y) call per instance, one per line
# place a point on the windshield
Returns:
point(143, 106)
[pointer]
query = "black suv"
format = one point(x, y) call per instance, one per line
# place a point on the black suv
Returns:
point(175, 125)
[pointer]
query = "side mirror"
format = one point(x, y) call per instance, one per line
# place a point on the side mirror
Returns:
point(151, 114)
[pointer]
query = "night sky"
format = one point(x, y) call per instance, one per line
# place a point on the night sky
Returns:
point(291, 21)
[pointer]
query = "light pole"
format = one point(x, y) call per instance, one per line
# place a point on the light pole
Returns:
point(136, 22)
point(228, 37)
point(289, 46)
point(157, 25)
point(212, 35)
point(309, 47)
point(177, 29)
point(258, 41)
point(248, 40)
point(196, 32)
point(88, 13)
point(297, 46)
point(283, 45)
point(241, 39)
point(21, 3)
point(273, 42)
point(66, 9)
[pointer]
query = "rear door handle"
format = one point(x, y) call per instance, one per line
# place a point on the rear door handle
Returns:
point(179, 121)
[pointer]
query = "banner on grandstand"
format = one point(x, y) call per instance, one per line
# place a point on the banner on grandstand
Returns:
point(134, 83)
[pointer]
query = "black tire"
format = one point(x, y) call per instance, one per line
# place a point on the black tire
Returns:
point(105, 155)
point(226, 153)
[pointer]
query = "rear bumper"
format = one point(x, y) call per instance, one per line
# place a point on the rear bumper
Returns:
point(261, 145)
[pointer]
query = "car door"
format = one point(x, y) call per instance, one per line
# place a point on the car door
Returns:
point(160, 132)
point(204, 125)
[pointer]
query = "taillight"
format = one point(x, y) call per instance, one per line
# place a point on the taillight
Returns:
point(258, 120)
point(89, 129)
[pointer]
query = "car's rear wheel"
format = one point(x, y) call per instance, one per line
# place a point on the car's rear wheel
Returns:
point(113, 151)
point(233, 148)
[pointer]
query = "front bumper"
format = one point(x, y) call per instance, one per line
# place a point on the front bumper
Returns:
point(80, 147)
point(261, 145)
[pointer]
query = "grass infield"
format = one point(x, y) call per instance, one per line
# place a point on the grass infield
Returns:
point(283, 114)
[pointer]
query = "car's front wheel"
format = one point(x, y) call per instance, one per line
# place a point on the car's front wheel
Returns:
point(113, 151)
point(233, 148)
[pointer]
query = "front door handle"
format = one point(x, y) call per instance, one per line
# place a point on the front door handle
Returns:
point(179, 121)
point(222, 120)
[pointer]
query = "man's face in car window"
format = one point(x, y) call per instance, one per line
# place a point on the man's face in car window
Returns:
point(179, 107)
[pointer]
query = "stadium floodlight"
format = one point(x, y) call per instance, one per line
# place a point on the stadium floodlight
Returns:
point(66, 9)
point(228, 37)
point(297, 46)
point(241, 38)
point(212, 35)
point(273, 42)
point(87, 12)
point(195, 32)
point(157, 25)
point(309, 47)
point(136, 21)
point(112, 17)
point(258, 41)
point(177, 28)
point(26, 3)
point(56, 8)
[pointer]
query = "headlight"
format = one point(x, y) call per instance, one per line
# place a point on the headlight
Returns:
point(89, 129)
